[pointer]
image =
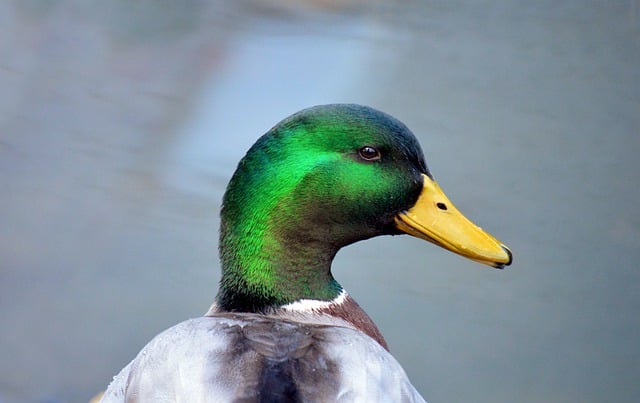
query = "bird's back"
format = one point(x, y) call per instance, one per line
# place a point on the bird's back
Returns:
point(259, 358)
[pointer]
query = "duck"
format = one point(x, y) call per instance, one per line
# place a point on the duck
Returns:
point(281, 327)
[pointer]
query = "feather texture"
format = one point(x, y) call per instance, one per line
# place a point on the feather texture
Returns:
point(258, 358)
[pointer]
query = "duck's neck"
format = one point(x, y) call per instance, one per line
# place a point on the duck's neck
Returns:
point(270, 260)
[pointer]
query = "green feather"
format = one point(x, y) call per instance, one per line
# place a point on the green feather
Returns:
point(302, 192)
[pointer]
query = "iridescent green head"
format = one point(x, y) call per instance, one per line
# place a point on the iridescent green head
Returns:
point(321, 179)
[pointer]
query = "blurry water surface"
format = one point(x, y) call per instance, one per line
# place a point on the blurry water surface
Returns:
point(121, 122)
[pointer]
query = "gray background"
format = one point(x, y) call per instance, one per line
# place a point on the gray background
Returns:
point(122, 121)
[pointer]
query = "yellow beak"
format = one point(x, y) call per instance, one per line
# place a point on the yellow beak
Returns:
point(435, 219)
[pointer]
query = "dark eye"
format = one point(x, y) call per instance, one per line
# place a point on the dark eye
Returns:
point(369, 153)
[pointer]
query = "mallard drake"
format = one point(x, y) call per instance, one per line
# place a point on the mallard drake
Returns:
point(282, 329)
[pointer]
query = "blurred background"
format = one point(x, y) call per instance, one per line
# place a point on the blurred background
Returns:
point(122, 121)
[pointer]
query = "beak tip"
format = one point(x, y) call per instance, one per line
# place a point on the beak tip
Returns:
point(502, 265)
point(508, 251)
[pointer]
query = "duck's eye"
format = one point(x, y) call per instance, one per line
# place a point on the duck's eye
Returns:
point(369, 153)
